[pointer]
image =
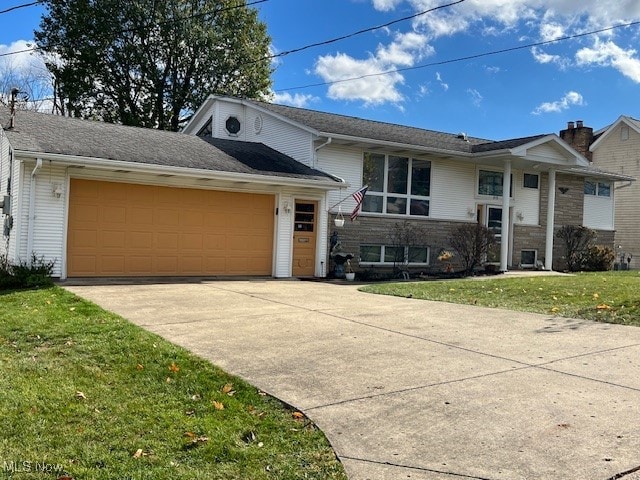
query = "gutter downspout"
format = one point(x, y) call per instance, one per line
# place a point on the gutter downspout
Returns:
point(32, 210)
point(315, 153)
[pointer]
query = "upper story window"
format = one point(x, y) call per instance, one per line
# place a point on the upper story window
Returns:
point(397, 185)
point(232, 125)
point(601, 189)
point(491, 183)
point(530, 180)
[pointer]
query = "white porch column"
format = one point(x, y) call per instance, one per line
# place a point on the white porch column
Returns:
point(505, 233)
point(551, 212)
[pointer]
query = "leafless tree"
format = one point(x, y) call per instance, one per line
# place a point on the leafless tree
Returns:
point(472, 243)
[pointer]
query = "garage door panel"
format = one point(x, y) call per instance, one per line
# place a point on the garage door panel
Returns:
point(113, 264)
point(191, 241)
point(166, 265)
point(167, 241)
point(140, 216)
point(134, 230)
point(114, 239)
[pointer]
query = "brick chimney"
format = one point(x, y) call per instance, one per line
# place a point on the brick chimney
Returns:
point(579, 137)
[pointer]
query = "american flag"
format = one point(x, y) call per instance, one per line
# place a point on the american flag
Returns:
point(359, 197)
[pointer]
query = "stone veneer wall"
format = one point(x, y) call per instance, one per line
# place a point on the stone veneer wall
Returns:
point(376, 231)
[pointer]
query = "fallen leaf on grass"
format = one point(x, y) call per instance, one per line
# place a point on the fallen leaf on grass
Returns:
point(228, 389)
point(596, 296)
point(140, 366)
point(195, 439)
point(218, 405)
point(603, 306)
point(298, 415)
point(173, 368)
point(80, 395)
point(555, 309)
point(139, 453)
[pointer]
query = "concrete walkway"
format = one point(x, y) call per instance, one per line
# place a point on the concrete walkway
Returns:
point(405, 388)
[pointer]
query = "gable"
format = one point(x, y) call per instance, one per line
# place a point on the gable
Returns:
point(622, 130)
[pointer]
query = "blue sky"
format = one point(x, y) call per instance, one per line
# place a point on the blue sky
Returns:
point(594, 78)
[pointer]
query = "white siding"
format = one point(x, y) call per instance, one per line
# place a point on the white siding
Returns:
point(49, 215)
point(4, 174)
point(284, 232)
point(547, 153)
point(526, 202)
point(277, 134)
point(598, 212)
point(452, 190)
point(346, 163)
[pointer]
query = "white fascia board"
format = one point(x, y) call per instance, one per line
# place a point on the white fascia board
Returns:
point(595, 173)
point(205, 108)
point(404, 146)
point(579, 160)
point(106, 164)
point(611, 128)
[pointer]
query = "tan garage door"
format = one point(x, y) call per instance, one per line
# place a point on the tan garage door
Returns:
point(119, 229)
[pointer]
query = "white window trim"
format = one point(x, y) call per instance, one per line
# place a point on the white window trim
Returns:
point(534, 174)
point(495, 170)
point(597, 193)
point(385, 194)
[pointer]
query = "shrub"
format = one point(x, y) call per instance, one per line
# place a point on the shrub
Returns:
point(598, 258)
point(26, 274)
point(577, 242)
point(472, 243)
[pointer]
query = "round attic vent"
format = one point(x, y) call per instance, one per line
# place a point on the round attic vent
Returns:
point(257, 124)
point(233, 125)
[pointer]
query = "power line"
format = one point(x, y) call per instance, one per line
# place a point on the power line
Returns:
point(461, 59)
point(364, 30)
point(24, 5)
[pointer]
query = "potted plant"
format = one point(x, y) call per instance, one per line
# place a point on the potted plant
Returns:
point(349, 273)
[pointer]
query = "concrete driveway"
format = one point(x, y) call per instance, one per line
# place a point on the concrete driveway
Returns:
point(406, 388)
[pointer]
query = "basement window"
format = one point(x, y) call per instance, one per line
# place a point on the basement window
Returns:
point(528, 258)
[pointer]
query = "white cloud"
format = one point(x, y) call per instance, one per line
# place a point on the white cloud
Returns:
point(608, 54)
point(445, 86)
point(371, 83)
point(296, 100)
point(385, 5)
point(569, 99)
point(359, 79)
point(551, 31)
point(23, 61)
point(476, 97)
point(545, 58)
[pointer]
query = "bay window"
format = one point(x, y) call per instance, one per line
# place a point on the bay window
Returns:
point(397, 185)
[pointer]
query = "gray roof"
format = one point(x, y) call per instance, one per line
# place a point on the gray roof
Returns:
point(331, 123)
point(43, 133)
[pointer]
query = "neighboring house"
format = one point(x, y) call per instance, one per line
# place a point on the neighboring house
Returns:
point(617, 148)
point(251, 188)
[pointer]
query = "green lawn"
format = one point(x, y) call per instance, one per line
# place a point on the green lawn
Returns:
point(612, 297)
point(84, 392)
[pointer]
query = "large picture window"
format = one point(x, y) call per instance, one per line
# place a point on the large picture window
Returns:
point(397, 185)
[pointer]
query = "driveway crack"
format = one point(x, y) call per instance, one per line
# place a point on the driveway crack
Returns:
point(411, 467)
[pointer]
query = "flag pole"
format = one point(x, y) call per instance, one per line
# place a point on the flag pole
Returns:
point(341, 201)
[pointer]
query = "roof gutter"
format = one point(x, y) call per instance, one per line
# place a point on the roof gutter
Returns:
point(32, 210)
point(107, 164)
